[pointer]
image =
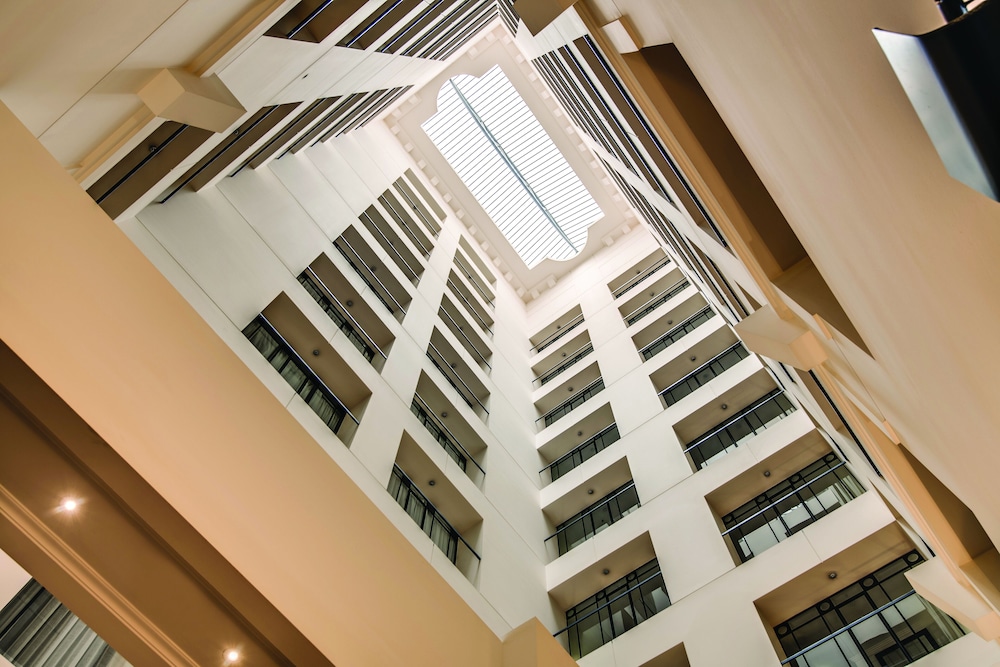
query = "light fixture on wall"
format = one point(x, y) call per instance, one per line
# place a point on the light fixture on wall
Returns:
point(952, 78)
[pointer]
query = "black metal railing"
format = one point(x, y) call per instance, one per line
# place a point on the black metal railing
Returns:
point(297, 373)
point(340, 315)
point(582, 452)
point(709, 370)
point(606, 511)
point(444, 437)
point(900, 632)
point(404, 190)
point(459, 330)
point(656, 302)
point(390, 247)
point(614, 610)
point(425, 515)
point(558, 333)
point(467, 272)
point(676, 333)
point(453, 378)
point(405, 227)
point(470, 309)
point(563, 365)
point(639, 277)
point(745, 424)
point(354, 259)
point(789, 506)
point(876, 621)
point(573, 402)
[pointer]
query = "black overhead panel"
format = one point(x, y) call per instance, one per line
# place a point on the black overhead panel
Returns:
point(145, 165)
point(314, 20)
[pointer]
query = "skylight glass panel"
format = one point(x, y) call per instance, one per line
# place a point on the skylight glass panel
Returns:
point(507, 160)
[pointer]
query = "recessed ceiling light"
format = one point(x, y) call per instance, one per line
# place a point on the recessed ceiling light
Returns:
point(444, 415)
point(232, 655)
point(724, 406)
point(431, 482)
point(349, 303)
point(316, 353)
point(69, 505)
point(694, 358)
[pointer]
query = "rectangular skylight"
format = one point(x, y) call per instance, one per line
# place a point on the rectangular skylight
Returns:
point(509, 163)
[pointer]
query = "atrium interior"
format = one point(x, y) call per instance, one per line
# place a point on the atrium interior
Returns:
point(477, 332)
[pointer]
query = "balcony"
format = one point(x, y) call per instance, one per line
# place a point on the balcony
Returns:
point(400, 214)
point(564, 365)
point(429, 518)
point(296, 372)
point(677, 332)
point(417, 194)
point(388, 238)
point(555, 331)
point(461, 376)
point(789, 506)
point(614, 610)
point(656, 300)
point(877, 621)
point(481, 278)
point(340, 315)
point(705, 373)
point(649, 267)
point(444, 437)
point(606, 511)
point(472, 304)
point(474, 344)
point(737, 429)
point(366, 263)
point(582, 452)
point(572, 402)
point(409, 197)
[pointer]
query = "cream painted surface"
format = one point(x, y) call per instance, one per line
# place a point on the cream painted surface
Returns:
point(232, 248)
point(12, 579)
point(905, 235)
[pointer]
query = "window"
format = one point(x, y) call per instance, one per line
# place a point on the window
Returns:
point(509, 163)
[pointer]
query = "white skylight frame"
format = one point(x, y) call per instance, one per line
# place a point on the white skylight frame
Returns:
point(498, 148)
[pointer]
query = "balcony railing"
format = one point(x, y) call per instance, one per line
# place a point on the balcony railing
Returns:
point(638, 278)
point(678, 332)
point(488, 298)
point(588, 523)
point(453, 378)
point(442, 434)
point(459, 330)
point(573, 402)
point(877, 621)
point(401, 220)
point(615, 610)
point(582, 452)
point(791, 505)
point(340, 315)
point(656, 302)
point(558, 333)
point(470, 309)
point(390, 247)
point(297, 373)
point(425, 515)
point(354, 259)
point(745, 424)
point(560, 368)
point(404, 191)
point(709, 370)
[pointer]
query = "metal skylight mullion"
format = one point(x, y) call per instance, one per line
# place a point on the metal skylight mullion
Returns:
point(510, 164)
point(529, 197)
